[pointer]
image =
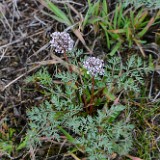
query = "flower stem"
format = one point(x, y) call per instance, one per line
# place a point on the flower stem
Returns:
point(92, 96)
point(66, 58)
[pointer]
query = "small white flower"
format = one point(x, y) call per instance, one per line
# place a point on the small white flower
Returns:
point(62, 42)
point(94, 66)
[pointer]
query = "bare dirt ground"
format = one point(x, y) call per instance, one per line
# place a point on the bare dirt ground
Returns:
point(24, 36)
point(24, 40)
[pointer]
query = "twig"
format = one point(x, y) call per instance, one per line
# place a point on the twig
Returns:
point(3, 53)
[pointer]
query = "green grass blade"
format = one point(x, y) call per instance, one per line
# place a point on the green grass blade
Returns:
point(114, 36)
point(89, 3)
point(120, 17)
point(140, 20)
point(115, 17)
point(129, 36)
point(115, 49)
point(59, 13)
point(106, 34)
point(92, 11)
point(68, 136)
point(96, 8)
point(131, 18)
point(136, 19)
point(94, 20)
point(23, 144)
point(150, 23)
point(104, 9)
point(55, 17)
point(151, 64)
point(87, 16)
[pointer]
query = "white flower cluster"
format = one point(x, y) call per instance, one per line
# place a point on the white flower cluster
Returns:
point(62, 42)
point(94, 65)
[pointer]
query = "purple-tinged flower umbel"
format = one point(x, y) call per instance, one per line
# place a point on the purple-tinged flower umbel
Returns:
point(62, 42)
point(94, 66)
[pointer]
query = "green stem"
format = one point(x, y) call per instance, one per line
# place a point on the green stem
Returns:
point(92, 95)
point(66, 58)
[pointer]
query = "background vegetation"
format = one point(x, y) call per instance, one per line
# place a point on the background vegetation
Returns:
point(52, 107)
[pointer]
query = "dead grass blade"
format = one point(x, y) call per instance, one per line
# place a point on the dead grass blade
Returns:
point(80, 37)
point(117, 31)
point(133, 158)
point(140, 47)
point(65, 64)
